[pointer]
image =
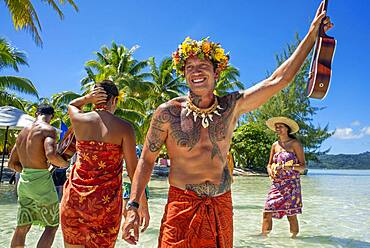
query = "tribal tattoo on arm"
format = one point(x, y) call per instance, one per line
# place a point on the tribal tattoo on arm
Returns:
point(157, 133)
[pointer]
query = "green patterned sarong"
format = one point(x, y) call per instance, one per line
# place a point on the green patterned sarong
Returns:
point(37, 199)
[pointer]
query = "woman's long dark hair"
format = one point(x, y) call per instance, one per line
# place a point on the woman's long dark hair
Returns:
point(289, 132)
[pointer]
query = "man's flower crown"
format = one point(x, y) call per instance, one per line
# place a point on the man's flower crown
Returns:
point(202, 49)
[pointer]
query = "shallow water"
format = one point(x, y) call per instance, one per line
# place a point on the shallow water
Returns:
point(336, 212)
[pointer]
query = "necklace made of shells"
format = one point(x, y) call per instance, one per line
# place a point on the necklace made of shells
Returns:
point(205, 114)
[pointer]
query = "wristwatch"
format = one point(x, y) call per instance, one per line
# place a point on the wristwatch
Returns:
point(132, 204)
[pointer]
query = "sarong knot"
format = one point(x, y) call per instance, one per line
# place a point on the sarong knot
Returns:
point(206, 200)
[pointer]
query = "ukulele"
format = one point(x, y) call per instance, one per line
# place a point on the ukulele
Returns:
point(320, 69)
point(66, 147)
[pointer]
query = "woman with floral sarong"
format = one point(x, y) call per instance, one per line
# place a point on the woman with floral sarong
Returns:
point(91, 206)
point(284, 167)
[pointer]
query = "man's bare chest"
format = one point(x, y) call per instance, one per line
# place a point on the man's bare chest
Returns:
point(185, 131)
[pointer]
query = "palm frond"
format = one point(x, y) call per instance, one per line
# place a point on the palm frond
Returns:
point(24, 15)
point(71, 2)
point(64, 97)
point(7, 99)
point(137, 67)
point(22, 85)
point(90, 77)
point(133, 49)
point(11, 56)
point(56, 7)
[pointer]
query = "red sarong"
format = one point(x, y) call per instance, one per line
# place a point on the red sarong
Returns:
point(191, 221)
point(91, 207)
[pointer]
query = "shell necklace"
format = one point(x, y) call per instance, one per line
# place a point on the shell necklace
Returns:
point(205, 114)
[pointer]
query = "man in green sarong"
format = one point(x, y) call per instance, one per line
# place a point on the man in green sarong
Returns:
point(37, 198)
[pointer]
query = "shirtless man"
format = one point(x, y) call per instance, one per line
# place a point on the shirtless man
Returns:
point(38, 200)
point(91, 206)
point(197, 131)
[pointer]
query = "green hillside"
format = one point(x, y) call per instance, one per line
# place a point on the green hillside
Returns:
point(342, 161)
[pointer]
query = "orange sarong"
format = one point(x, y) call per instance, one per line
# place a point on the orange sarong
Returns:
point(91, 207)
point(192, 221)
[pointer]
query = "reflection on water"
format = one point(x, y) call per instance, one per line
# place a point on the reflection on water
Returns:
point(336, 212)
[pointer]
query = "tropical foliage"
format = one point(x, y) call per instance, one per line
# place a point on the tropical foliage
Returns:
point(144, 85)
point(24, 15)
point(164, 84)
point(228, 81)
point(343, 161)
point(11, 57)
point(291, 102)
point(60, 109)
point(251, 146)
point(118, 64)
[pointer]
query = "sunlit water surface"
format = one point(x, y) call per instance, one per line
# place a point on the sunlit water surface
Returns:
point(336, 212)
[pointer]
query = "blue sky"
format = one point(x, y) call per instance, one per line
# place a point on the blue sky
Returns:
point(253, 31)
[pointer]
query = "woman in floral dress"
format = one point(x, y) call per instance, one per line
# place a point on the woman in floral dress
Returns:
point(285, 164)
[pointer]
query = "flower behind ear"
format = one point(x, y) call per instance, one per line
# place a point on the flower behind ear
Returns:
point(120, 96)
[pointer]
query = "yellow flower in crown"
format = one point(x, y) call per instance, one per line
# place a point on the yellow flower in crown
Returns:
point(206, 47)
point(219, 54)
point(185, 49)
point(202, 49)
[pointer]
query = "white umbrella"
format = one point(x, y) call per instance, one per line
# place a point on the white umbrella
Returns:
point(12, 118)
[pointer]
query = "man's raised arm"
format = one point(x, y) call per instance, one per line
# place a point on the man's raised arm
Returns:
point(260, 93)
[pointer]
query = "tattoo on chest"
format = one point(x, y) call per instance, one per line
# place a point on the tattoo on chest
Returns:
point(183, 129)
point(217, 129)
point(210, 189)
point(186, 132)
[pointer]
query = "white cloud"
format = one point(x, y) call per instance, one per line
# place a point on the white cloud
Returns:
point(356, 123)
point(347, 133)
point(366, 130)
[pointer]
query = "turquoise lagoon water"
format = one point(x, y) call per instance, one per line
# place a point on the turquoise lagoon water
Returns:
point(336, 212)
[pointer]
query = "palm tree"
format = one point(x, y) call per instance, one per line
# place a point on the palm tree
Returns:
point(117, 64)
point(228, 80)
point(60, 104)
point(24, 15)
point(11, 57)
point(165, 85)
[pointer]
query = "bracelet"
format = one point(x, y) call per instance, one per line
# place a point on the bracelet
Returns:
point(127, 191)
point(132, 204)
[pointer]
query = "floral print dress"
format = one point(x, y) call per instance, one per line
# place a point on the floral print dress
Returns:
point(91, 206)
point(284, 197)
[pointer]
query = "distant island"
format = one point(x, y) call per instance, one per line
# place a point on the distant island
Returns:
point(342, 161)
